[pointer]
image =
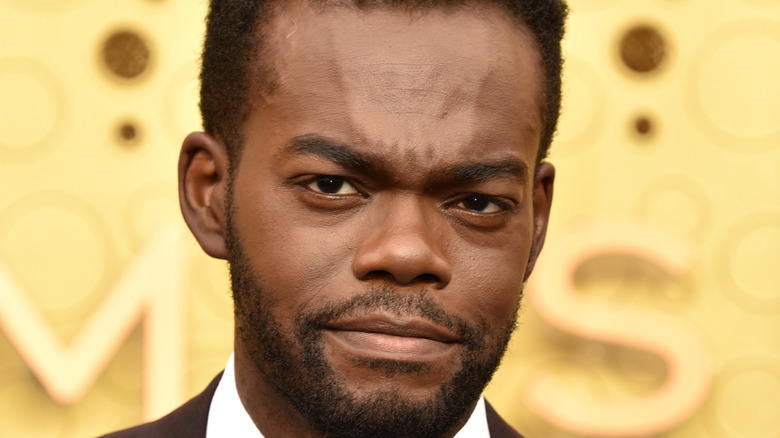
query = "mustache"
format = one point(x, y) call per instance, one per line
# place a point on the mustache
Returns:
point(384, 298)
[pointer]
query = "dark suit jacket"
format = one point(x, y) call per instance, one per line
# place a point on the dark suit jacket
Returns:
point(189, 421)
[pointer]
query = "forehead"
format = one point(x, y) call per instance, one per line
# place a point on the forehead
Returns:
point(387, 75)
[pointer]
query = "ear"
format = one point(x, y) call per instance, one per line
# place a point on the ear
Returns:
point(203, 179)
point(544, 179)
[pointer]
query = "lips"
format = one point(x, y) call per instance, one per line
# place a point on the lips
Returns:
point(390, 337)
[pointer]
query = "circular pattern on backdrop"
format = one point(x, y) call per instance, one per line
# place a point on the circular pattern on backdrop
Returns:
point(584, 108)
point(64, 236)
point(643, 126)
point(128, 133)
point(733, 94)
point(679, 203)
point(745, 401)
point(643, 49)
point(126, 55)
point(747, 263)
point(31, 109)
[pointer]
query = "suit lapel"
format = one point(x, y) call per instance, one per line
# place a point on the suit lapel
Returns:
point(187, 421)
point(497, 426)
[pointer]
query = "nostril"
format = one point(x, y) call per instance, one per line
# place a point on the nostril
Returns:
point(379, 275)
point(387, 276)
point(427, 278)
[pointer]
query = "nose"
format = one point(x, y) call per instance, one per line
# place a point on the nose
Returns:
point(403, 243)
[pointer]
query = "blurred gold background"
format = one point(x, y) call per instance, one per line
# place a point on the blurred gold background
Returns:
point(654, 311)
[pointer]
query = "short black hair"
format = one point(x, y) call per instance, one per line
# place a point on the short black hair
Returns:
point(232, 65)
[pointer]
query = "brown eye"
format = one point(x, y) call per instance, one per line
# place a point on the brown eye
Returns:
point(331, 185)
point(482, 204)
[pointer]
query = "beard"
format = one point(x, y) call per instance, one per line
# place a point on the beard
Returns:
point(296, 366)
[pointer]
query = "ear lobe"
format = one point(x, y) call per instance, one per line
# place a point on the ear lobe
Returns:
point(544, 180)
point(203, 182)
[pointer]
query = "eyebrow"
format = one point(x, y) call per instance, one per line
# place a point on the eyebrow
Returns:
point(339, 153)
point(347, 157)
point(511, 168)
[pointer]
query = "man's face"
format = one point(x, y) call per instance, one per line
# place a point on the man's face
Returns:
point(383, 213)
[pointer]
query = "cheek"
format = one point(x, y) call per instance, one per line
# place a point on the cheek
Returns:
point(496, 293)
point(490, 278)
point(295, 260)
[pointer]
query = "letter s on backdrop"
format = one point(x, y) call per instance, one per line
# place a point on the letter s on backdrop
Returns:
point(553, 295)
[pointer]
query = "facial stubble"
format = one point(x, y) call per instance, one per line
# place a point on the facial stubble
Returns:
point(296, 366)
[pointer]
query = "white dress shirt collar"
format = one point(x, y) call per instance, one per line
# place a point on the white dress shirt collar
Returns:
point(227, 416)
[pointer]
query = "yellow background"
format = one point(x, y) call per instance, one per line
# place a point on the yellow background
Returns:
point(78, 203)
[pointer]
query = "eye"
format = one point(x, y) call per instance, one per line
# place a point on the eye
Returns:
point(332, 185)
point(482, 204)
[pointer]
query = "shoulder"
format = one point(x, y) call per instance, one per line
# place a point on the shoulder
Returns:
point(498, 427)
point(188, 420)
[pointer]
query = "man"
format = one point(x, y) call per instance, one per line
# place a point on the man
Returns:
point(373, 172)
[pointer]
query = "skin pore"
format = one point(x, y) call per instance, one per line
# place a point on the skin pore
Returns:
point(384, 214)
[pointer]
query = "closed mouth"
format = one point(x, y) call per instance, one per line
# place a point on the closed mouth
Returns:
point(392, 337)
